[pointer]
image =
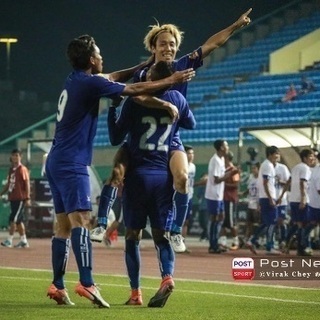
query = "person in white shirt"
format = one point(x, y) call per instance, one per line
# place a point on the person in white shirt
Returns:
point(299, 200)
point(191, 178)
point(214, 192)
point(253, 211)
point(282, 179)
point(267, 201)
point(314, 201)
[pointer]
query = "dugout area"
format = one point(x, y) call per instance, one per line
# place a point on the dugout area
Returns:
point(289, 138)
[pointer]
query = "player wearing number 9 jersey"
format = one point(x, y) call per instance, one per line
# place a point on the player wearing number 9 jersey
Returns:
point(71, 153)
point(148, 185)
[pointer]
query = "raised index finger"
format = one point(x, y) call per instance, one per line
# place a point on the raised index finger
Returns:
point(247, 13)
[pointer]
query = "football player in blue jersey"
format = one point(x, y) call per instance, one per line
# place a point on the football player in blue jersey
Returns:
point(71, 153)
point(148, 185)
point(163, 41)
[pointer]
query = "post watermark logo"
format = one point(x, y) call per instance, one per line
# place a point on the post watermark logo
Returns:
point(276, 268)
point(243, 268)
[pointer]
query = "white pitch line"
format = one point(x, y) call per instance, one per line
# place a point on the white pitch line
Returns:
point(231, 283)
point(190, 291)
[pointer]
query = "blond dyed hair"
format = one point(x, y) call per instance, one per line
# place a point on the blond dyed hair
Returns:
point(151, 37)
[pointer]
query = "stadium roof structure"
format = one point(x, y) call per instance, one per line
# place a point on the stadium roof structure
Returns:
point(283, 136)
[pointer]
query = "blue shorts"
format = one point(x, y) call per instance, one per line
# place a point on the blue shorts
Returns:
point(269, 214)
point(282, 211)
point(298, 215)
point(70, 186)
point(215, 207)
point(176, 144)
point(147, 195)
point(314, 214)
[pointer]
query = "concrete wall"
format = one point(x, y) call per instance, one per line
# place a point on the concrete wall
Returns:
point(294, 56)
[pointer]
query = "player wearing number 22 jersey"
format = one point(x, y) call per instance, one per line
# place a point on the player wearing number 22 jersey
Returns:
point(148, 185)
point(149, 135)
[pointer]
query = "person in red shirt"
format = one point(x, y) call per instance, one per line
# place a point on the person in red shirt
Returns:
point(291, 94)
point(18, 189)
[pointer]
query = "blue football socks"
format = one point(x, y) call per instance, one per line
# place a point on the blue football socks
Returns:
point(180, 207)
point(108, 196)
point(82, 248)
point(166, 258)
point(214, 233)
point(269, 234)
point(132, 257)
point(60, 255)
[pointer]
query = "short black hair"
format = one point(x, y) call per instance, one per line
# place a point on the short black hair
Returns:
point(271, 150)
point(305, 153)
point(218, 144)
point(161, 70)
point(17, 150)
point(80, 50)
point(187, 147)
point(257, 164)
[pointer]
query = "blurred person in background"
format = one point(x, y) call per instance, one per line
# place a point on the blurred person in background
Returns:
point(217, 175)
point(267, 201)
point(230, 198)
point(314, 204)
point(18, 189)
point(191, 177)
point(307, 85)
point(282, 179)
point(203, 216)
point(253, 210)
point(299, 202)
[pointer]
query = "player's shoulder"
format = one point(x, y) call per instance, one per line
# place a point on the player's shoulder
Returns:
point(175, 93)
point(22, 167)
point(267, 164)
point(177, 98)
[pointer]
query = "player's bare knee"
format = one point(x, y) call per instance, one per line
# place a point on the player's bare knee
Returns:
point(63, 231)
point(180, 182)
point(117, 175)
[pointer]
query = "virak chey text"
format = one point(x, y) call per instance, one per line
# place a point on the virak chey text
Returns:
point(287, 268)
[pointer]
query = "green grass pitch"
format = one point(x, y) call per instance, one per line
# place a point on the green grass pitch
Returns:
point(23, 296)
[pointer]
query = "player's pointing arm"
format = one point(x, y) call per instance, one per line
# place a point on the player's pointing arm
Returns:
point(222, 36)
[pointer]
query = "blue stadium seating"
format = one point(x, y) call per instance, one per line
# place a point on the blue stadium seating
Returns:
point(221, 105)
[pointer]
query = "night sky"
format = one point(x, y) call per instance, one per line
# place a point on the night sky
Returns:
point(45, 27)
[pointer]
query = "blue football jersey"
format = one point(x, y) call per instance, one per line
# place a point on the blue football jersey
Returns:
point(149, 131)
point(178, 65)
point(77, 116)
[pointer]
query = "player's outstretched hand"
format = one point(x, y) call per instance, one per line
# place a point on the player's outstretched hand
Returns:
point(183, 76)
point(244, 20)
